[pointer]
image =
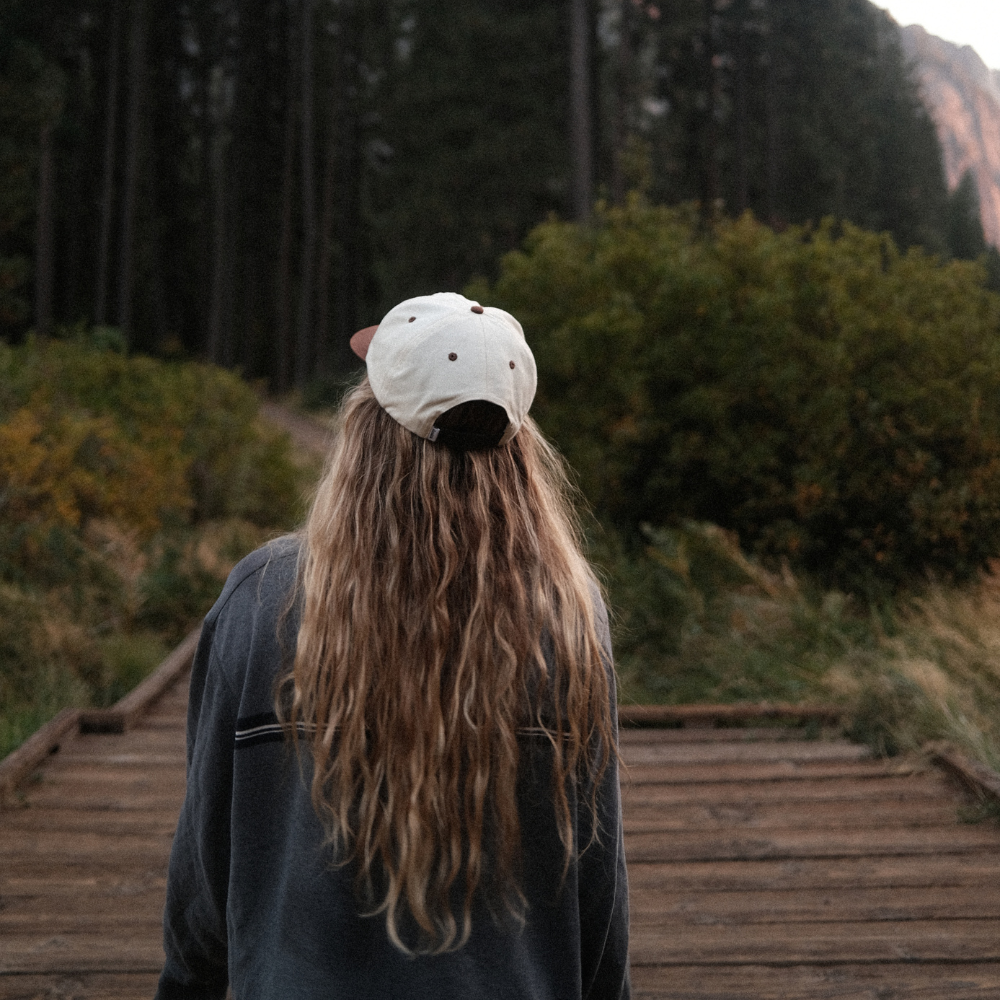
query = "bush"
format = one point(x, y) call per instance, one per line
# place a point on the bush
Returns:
point(87, 433)
point(830, 399)
point(129, 487)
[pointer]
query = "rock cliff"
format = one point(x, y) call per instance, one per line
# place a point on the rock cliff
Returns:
point(963, 97)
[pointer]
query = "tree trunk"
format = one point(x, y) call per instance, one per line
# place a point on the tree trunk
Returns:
point(304, 343)
point(136, 74)
point(742, 113)
point(622, 100)
point(710, 148)
point(348, 281)
point(44, 243)
point(771, 124)
point(108, 188)
point(580, 125)
point(286, 351)
point(326, 357)
point(218, 316)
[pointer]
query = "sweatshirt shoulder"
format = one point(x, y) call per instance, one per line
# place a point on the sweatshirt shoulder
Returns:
point(266, 572)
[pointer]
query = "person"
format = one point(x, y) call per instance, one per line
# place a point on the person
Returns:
point(402, 741)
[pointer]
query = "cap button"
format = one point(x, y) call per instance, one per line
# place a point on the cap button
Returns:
point(477, 309)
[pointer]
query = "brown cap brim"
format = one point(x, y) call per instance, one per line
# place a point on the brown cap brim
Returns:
point(361, 340)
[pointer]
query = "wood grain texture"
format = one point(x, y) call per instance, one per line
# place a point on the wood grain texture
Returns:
point(761, 866)
point(86, 986)
point(880, 981)
point(18, 764)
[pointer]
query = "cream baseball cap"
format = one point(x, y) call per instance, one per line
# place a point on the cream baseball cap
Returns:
point(433, 352)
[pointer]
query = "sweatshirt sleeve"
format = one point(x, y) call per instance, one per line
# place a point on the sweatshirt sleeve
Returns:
point(603, 881)
point(194, 921)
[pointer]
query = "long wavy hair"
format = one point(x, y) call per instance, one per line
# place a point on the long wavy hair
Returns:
point(432, 584)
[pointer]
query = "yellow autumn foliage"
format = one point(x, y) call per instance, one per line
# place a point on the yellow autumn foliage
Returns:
point(58, 470)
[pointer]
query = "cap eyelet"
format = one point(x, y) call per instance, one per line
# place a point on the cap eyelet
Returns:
point(453, 356)
point(477, 309)
point(411, 319)
point(512, 364)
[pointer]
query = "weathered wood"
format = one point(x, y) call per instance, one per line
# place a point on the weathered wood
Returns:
point(120, 899)
point(92, 774)
point(18, 764)
point(782, 867)
point(71, 953)
point(779, 772)
point(130, 761)
point(798, 943)
point(124, 714)
point(846, 790)
point(111, 922)
point(790, 752)
point(75, 844)
point(630, 736)
point(641, 814)
point(813, 874)
point(83, 986)
point(665, 715)
point(112, 824)
point(857, 903)
point(698, 845)
point(882, 981)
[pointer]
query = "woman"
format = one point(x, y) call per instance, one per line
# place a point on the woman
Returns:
point(402, 761)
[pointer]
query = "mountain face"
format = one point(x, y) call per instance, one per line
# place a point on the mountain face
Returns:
point(963, 97)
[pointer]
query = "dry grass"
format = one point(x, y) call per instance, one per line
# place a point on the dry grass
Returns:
point(697, 621)
point(945, 660)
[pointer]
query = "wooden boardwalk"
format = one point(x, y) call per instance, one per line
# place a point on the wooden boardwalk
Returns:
point(761, 867)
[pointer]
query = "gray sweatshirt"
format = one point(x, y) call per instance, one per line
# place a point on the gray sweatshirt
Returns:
point(254, 900)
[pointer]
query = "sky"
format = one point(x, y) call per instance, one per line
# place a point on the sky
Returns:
point(965, 22)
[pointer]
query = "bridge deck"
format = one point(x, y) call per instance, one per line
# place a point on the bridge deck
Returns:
point(761, 867)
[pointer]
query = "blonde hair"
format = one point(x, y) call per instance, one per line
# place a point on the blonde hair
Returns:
point(431, 584)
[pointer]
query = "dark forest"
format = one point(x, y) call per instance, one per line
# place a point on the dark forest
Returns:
point(250, 181)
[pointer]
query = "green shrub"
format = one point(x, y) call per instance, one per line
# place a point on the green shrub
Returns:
point(694, 620)
point(830, 399)
point(129, 487)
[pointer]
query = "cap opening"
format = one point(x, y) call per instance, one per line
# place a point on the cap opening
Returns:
point(475, 425)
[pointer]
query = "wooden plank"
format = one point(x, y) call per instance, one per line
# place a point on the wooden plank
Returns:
point(133, 922)
point(794, 843)
point(857, 903)
point(18, 843)
point(81, 986)
point(71, 953)
point(141, 760)
point(140, 739)
point(807, 874)
point(717, 734)
point(93, 776)
point(665, 715)
point(640, 814)
point(111, 824)
point(19, 763)
point(61, 882)
point(796, 943)
point(882, 981)
point(105, 799)
point(50, 909)
point(125, 713)
point(931, 786)
point(791, 752)
point(785, 773)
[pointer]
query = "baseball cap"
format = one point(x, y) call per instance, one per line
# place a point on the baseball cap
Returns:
point(433, 353)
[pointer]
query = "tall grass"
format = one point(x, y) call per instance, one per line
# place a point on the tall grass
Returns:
point(695, 620)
